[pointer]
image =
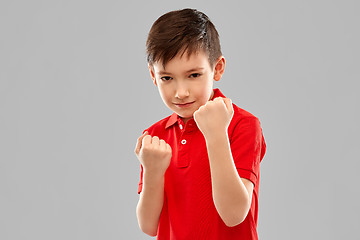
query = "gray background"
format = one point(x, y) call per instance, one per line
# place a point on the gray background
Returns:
point(75, 94)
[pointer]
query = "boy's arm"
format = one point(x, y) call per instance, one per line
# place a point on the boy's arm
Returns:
point(154, 155)
point(231, 194)
point(150, 203)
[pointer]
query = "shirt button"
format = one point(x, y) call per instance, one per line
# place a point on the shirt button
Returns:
point(181, 127)
point(183, 141)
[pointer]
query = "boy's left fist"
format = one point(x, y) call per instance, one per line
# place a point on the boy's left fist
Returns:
point(215, 116)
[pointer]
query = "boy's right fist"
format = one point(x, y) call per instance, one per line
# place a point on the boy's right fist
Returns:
point(153, 153)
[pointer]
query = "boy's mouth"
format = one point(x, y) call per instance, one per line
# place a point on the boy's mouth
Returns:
point(184, 105)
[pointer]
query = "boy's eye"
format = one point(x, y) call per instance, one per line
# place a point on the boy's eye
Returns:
point(195, 75)
point(166, 78)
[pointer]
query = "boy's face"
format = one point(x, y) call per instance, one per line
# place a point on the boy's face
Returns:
point(186, 80)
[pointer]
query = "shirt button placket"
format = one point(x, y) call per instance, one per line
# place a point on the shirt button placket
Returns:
point(183, 154)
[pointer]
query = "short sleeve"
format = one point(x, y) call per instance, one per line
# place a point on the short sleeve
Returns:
point(141, 174)
point(248, 148)
point(141, 180)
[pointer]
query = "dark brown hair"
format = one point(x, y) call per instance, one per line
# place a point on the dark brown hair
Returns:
point(180, 31)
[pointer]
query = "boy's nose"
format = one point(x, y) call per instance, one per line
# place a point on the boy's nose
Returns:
point(182, 92)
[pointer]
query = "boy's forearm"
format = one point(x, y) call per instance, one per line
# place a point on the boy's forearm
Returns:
point(230, 195)
point(150, 203)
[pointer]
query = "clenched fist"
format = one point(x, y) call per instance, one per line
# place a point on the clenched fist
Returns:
point(214, 117)
point(153, 153)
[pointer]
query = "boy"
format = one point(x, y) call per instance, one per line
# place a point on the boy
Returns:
point(200, 166)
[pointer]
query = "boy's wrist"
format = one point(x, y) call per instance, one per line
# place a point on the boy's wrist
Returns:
point(152, 177)
point(153, 183)
point(215, 136)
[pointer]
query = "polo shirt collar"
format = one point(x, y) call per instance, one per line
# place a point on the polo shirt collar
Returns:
point(175, 117)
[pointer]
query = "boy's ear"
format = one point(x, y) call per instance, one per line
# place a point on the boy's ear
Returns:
point(219, 68)
point(152, 74)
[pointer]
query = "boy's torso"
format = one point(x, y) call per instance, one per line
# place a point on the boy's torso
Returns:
point(189, 211)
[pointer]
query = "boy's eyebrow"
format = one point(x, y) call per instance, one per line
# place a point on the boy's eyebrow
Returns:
point(191, 70)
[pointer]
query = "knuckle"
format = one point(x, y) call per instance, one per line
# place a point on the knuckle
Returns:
point(146, 146)
point(168, 147)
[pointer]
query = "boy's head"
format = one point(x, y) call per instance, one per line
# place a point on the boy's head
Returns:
point(179, 31)
point(184, 57)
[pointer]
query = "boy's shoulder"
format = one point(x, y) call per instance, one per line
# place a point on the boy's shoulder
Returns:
point(159, 125)
point(241, 115)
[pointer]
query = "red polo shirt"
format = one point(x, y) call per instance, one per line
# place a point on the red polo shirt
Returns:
point(189, 212)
